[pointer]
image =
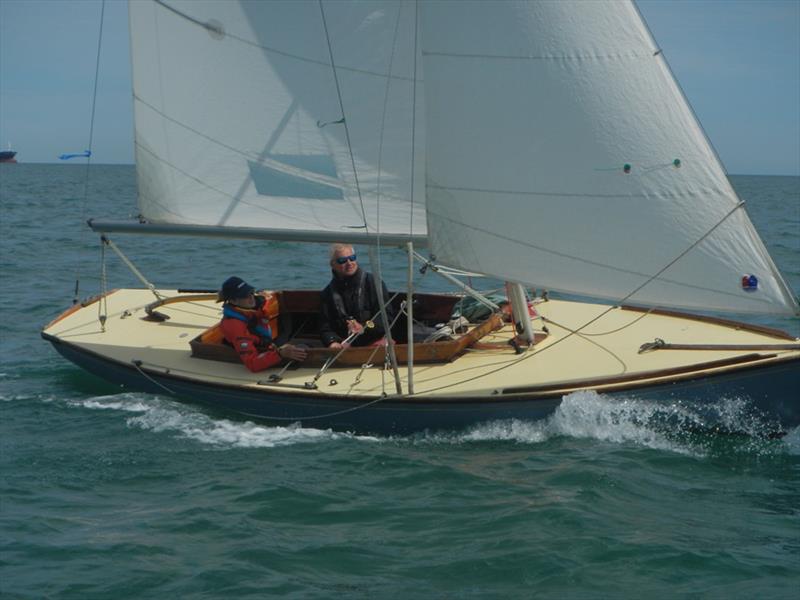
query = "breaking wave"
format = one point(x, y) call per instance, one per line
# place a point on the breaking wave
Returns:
point(668, 427)
point(166, 416)
point(581, 415)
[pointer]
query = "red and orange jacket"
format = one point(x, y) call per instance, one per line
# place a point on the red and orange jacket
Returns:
point(249, 333)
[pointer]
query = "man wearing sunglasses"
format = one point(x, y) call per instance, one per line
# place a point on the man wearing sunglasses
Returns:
point(349, 301)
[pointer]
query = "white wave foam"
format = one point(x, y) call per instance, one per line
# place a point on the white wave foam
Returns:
point(23, 398)
point(581, 415)
point(203, 429)
point(159, 415)
point(590, 415)
point(791, 442)
point(586, 415)
point(668, 427)
point(516, 431)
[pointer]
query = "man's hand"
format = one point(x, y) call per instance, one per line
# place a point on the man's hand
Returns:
point(293, 352)
point(354, 326)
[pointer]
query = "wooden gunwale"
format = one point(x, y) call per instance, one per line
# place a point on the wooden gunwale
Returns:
point(175, 299)
point(79, 305)
point(770, 331)
point(643, 375)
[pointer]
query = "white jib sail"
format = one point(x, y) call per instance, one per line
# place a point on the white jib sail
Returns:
point(562, 154)
point(238, 119)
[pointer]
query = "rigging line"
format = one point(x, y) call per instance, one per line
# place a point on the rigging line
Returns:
point(341, 108)
point(786, 290)
point(216, 29)
point(102, 305)
point(390, 343)
point(211, 187)
point(602, 314)
point(331, 414)
point(107, 242)
point(685, 252)
point(375, 256)
point(382, 132)
point(138, 365)
point(587, 336)
point(413, 117)
point(91, 138)
point(333, 359)
point(94, 100)
point(602, 333)
point(532, 246)
point(260, 159)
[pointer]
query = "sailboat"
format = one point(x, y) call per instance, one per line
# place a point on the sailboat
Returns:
point(543, 144)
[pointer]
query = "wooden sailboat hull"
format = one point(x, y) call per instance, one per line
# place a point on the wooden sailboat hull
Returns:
point(767, 388)
point(480, 385)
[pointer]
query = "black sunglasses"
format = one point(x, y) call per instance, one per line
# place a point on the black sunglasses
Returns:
point(345, 259)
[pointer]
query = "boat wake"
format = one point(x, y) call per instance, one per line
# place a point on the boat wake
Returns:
point(589, 415)
point(158, 415)
point(581, 415)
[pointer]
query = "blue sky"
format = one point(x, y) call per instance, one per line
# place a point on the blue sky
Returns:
point(738, 62)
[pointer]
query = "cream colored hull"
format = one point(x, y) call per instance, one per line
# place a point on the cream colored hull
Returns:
point(480, 384)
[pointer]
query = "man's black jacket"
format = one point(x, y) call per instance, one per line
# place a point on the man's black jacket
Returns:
point(353, 297)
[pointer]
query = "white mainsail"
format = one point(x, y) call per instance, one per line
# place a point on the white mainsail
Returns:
point(238, 121)
point(534, 109)
point(552, 144)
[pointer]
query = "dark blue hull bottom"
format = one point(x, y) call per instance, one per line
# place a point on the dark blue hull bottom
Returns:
point(771, 393)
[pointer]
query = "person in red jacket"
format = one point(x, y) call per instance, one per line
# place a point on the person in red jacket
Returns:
point(245, 323)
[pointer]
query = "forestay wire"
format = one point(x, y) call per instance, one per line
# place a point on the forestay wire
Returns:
point(76, 296)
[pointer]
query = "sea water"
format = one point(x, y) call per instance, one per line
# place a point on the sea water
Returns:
point(112, 494)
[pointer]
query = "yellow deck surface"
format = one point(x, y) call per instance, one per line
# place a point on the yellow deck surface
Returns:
point(607, 348)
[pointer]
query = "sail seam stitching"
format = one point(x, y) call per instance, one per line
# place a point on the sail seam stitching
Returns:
point(278, 166)
point(578, 57)
point(223, 193)
point(279, 52)
point(572, 195)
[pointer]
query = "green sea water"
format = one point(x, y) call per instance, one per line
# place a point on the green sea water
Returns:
point(124, 495)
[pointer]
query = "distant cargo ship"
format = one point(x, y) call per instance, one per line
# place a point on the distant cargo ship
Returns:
point(7, 156)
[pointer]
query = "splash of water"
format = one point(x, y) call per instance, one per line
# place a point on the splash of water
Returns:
point(666, 427)
point(586, 415)
point(166, 416)
point(581, 415)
